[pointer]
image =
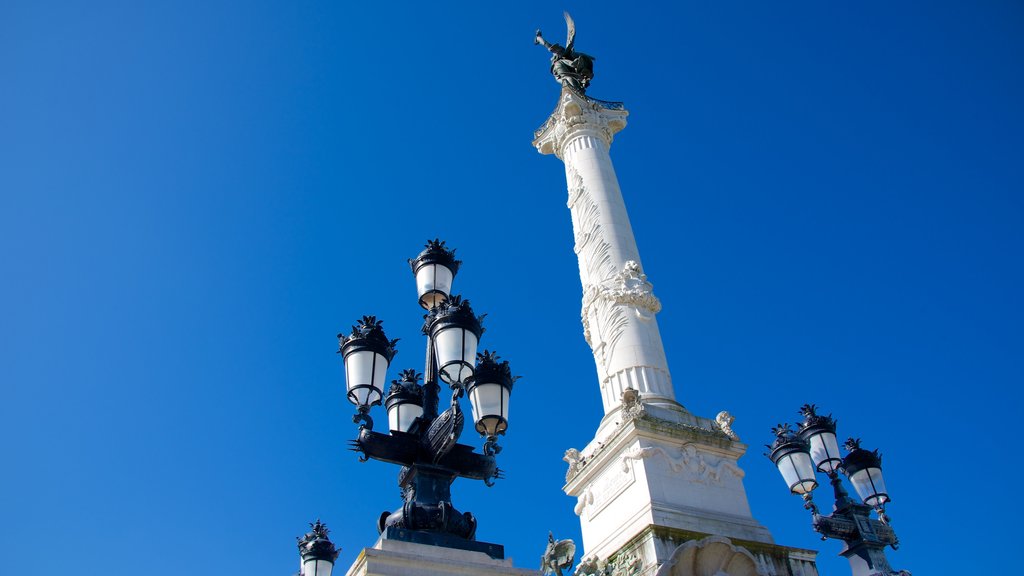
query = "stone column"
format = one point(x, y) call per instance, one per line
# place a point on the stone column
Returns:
point(619, 305)
point(658, 489)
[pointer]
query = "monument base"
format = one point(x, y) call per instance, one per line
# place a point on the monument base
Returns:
point(397, 553)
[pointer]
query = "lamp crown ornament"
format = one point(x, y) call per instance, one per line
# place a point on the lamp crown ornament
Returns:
point(369, 330)
point(490, 365)
point(783, 435)
point(435, 252)
point(812, 418)
point(455, 309)
point(315, 546)
point(408, 379)
point(860, 459)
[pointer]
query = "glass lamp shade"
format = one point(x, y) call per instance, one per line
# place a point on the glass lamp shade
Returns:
point(864, 468)
point(312, 566)
point(489, 390)
point(455, 332)
point(402, 415)
point(435, 269)
point(367, 353)
point(404, 402)
point(820, 434)
point(825, 452)
point(790, 455)
point(434, 284)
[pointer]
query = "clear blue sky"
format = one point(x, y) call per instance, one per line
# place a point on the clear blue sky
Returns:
point(195, 197)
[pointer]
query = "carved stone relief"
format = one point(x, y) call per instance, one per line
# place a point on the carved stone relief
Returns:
point(697, 467)
point(712, 556)
point(626, 564)
point(576, 463)
point(632, 405)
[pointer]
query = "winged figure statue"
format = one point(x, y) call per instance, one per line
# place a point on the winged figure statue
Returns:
point(571, 68)
point(558, 556)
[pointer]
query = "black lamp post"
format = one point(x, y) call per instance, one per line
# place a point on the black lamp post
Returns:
point(813, 448)
point(316, 551)
point(421, 440)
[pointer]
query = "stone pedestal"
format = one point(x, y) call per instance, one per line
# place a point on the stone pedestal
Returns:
point(390, 557)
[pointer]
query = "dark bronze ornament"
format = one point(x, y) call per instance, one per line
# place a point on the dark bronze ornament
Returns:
point(316, 546)
point(571, 68)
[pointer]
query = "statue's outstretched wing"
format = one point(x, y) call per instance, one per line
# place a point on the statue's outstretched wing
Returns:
point(570, 34)
point(565, 552)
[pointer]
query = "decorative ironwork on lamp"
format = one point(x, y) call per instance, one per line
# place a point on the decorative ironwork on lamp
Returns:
point(316, 551)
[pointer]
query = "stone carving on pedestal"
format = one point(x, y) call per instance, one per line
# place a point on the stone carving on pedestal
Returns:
point(711, 556)
point(698, 469)
point(724, 421)
point(632, 405)
point(576, 463)
point(627, 564)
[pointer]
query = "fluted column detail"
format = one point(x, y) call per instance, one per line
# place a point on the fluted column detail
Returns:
point(619, 305)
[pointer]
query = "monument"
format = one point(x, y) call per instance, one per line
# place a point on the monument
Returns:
point(658, 490)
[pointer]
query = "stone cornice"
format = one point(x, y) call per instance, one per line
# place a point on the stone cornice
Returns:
point(578, 115)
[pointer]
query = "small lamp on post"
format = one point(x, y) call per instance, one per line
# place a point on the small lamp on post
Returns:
point(435, 269)
point(489, 390)
point(790, 455)
point(455, 332)
point(316, 551)
point(864, 469)
point(367, 353)
point(405, 401)
point(820, 434)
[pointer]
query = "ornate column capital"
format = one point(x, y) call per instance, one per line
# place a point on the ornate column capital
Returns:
point(578, 115)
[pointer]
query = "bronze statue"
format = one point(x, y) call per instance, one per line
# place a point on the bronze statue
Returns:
point(571, 68)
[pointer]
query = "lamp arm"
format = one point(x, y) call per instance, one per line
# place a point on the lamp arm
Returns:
point(363, 415)
point(810, 505)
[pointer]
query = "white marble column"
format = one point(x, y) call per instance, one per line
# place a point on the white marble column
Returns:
point(619, 305)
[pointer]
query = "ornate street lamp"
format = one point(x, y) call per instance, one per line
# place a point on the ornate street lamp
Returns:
point(455, 331)
point(420, 439)
point(435, 269)
point(489, 390)
point(864, 469)
point(820, 434)
point(790, 455)
point(367, 353)
point(814, 447)
point(404, 401)
point(316, 551)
